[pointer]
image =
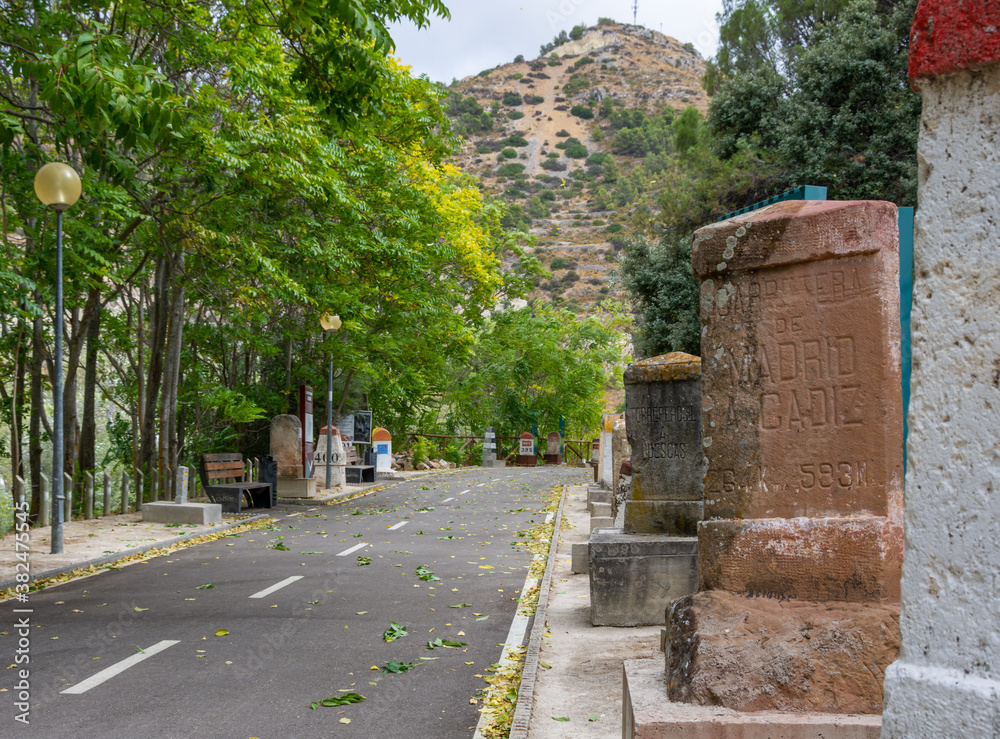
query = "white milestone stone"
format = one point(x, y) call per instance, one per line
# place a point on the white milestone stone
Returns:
point(607, 474)
point(946, 682)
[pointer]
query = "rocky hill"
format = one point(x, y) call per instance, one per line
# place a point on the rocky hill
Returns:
point(575, 141)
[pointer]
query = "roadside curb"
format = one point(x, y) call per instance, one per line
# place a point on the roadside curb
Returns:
point(109, 558)
point(526, 692)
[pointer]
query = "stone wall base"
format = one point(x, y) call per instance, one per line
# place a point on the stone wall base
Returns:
point(649, 714)
point(855, 559)
point(634, 576)
point(766, 654)
point(928, 701)
point(672, 517)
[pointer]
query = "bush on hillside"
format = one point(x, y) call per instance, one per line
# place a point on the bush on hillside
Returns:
point(533, 99)
point(582, 111)
point(577, 32)
point(576, 151)
point(518, 141)
point(559, 263)
point(554, 165)
point(515, 115)
point(576, 84)
point(509, 154)
point(511, 169)
point(511, 99)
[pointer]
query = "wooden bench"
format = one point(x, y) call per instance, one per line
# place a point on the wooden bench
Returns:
point(357, 474)
point(222, 477)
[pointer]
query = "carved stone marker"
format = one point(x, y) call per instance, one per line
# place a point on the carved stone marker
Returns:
point(553, 448)
point(526, 456)
point(620, 451)
point(337, 461)
point(663, 422)
point(181, 485)
point(801, 411)
point(286, 447)
point(802, 402)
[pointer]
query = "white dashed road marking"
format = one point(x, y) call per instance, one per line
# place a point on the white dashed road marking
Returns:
point(464, 492)
point(446, 500)
point(100, 677)
point(355, 548)
point(277, 586)
point(399, 525)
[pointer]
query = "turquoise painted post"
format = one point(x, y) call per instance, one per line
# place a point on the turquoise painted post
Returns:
point(905, 309)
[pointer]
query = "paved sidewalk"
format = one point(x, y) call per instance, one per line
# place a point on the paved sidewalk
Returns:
point(586, 673)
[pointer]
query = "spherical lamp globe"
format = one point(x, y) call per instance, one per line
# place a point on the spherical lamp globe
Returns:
point(330, 323)
point(57, 185)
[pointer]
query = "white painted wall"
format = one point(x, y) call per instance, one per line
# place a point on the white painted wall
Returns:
point(947, 680)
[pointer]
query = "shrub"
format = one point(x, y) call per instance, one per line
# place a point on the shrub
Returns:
point(509, 154)
point(515, 115)
point(453, 453)
point(547, 195)
point(563, 134)
point(484, 73)
point(582, 111)
point(519, 58)
point(559, 263)
point(552, 155)
point(509, 170)
point(517, 141)
point(554, 165)
point(421, 450)
point(555, 63)
point(577, 151)
point(598, 158)
point(484, 150)
point(577, 32)
point(582, 61)
point(537, 209)
point(575, 84)
point(597, 134)
point(614, 228)
point(571, 276)
point(605, 21)
point(533, 99)
point(597, 221)
point(511, 99)
point(517, 76)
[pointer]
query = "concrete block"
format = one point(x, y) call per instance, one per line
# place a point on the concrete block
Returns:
point(601, 522)
point(581, 558)
point(499, 464)
point(296, 487)
point(165, 511)
point(600, 509)
point(648, 714)
point(634, 576)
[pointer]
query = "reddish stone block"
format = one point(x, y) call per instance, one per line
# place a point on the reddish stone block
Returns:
point(950, 35)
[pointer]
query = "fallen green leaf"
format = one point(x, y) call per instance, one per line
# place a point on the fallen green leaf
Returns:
point(398, 667)
point(344, 700)
point(395, 631)
point(594, 717)
point(206, 586)
point(560, 718)
point(362, 561)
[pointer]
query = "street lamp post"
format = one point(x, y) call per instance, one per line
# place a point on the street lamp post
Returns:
point(57, 185)
point(329, 323)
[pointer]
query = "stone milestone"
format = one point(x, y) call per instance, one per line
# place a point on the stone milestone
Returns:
point(802, 402)
point(526, 456)
point(663, 421)
point(286, 448)
point(489, 448)
point(947, 679)
point(606, 476)
point(553, 448)
point(802, 425)
point(620, 451)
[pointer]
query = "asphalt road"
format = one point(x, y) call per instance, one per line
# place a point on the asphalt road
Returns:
point(313, 637)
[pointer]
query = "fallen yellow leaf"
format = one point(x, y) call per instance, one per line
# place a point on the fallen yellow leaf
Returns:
point(222, 632)
point(345, 720)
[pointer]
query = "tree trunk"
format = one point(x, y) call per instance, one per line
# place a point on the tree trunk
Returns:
point(88, 433)
point(154, 372)
point(171, 370)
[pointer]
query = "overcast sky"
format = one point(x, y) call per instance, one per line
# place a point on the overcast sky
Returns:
point(485, 33)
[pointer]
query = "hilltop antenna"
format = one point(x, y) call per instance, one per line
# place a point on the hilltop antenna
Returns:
point(635, 12)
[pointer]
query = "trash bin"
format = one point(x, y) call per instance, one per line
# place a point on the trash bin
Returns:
point(269, 474)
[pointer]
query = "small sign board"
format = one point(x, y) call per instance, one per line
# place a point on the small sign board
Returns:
point(356, 428)
point(527, 444)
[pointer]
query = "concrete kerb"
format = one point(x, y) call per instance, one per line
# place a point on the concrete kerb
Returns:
point(109, 558)
point(526, 692)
